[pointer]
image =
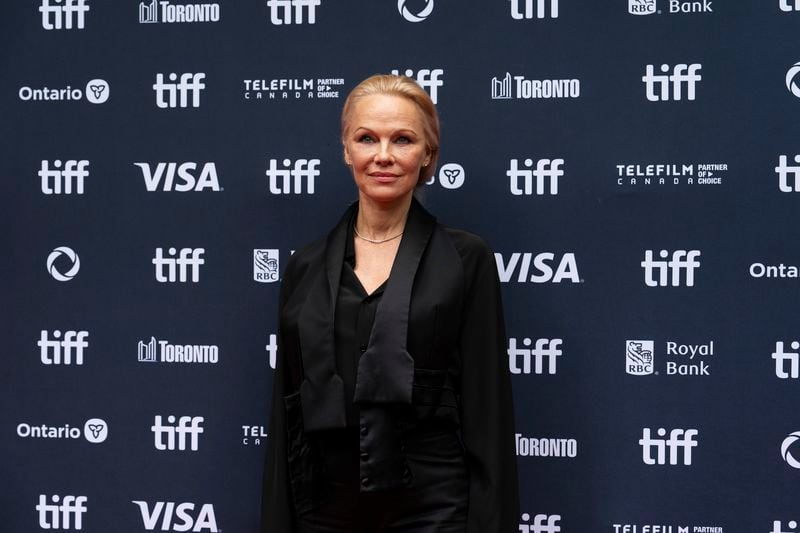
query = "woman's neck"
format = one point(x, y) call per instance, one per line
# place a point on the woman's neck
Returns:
point(378, 220)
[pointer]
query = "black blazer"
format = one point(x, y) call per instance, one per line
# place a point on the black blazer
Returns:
point(436, 355)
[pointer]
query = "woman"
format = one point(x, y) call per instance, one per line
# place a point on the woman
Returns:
point(392, 406)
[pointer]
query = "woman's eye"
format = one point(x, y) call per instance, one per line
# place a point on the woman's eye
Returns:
point(403, 140)
point(365, 139)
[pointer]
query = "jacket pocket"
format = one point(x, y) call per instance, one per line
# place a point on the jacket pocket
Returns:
point(434, 398)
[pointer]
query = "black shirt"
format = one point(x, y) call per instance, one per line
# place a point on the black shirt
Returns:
point(355, 314)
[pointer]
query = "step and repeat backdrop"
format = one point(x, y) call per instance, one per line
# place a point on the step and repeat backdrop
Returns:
point(634, 164)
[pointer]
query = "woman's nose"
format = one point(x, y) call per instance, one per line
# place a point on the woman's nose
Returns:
point(384, 153)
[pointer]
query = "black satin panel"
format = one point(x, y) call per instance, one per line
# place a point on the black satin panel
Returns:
point(437, 503)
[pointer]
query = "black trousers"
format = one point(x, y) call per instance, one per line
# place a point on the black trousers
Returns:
point(437, 503)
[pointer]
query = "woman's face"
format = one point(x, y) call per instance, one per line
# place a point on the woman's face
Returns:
point(385, 146)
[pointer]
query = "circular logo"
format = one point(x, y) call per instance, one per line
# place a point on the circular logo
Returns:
point(787, 443)
point(95, 430)
point(73, 258)
point(411, 17)
point(97, 91)
point(451, 176)
point(790, 80)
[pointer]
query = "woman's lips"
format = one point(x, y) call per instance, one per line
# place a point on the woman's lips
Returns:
point(384, 177)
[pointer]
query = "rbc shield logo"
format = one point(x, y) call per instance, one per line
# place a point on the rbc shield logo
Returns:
point(641, 7)
point(639, 357)
point(266, 265)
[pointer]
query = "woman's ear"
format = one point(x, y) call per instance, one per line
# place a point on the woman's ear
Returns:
point(346, 155)
point(428, 157)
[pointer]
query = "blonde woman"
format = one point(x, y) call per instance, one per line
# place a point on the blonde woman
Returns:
point(392, 406)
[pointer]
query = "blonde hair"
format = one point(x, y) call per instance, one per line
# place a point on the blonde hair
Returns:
point(404, 87)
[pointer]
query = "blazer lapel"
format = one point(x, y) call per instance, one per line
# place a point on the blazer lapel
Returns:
point(386, 369)
point(322, 389)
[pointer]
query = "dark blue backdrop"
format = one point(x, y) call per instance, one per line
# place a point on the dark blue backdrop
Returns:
point(137, 138)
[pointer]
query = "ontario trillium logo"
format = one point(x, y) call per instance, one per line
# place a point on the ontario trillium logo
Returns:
point(95, 430)
point(97, 91)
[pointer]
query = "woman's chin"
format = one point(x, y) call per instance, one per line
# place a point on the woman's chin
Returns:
point(385, 195)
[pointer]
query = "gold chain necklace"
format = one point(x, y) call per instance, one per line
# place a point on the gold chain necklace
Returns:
point(375, 241)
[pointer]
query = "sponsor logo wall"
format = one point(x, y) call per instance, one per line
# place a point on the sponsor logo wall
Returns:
point(637, 184)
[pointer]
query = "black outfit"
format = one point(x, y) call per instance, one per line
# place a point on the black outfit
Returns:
point(392, 411)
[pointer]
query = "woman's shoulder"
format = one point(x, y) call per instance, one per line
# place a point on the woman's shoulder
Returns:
point(314, 253)
point(467, 243)
point(301, 259)
point(473, 249)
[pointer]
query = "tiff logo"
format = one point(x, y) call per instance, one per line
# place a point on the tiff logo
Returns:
point(58, 16)
point(679, 440)
point(291, 11)
point(788, 176)
point(166, 267)
point(290, 181)
point(176, 93)
point(658, 85)
point(187, 425)
point(789, 5)
point(63, 176)
point(542, 523)
point(541, 6)
point(428, 79)
point(549, 349)
point(682, 260)
point(547, 172)
point(59, 351)
point(61, 515)
point(785, 359)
